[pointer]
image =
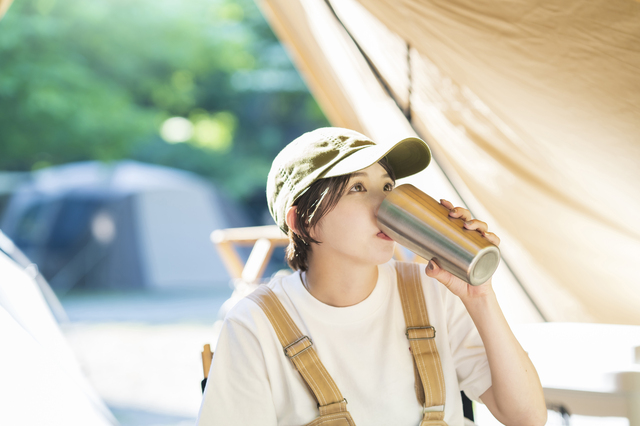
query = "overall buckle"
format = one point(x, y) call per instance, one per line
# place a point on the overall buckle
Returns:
point(299, 346)
point(421, 333)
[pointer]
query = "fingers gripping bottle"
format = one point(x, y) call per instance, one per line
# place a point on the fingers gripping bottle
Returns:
point(421, 224)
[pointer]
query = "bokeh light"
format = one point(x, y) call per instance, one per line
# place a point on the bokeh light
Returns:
point(176, 130)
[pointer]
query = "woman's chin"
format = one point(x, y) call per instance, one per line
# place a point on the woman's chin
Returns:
point(386, 254)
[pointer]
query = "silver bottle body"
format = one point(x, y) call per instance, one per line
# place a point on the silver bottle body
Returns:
point(421, 224)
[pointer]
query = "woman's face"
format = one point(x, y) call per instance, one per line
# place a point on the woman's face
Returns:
point(350, 230)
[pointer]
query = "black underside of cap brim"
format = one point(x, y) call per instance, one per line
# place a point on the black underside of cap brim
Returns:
point(409, 157)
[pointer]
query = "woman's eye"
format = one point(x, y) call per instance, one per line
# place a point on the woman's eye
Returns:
point(358, 187)
point(388, 187)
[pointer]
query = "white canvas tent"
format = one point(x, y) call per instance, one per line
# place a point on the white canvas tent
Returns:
point(532, 110)
point(42, 383)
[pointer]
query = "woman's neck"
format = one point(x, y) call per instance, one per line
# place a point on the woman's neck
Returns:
point(339, 283)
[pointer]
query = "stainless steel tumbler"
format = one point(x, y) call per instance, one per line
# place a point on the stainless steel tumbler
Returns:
point(421, 224)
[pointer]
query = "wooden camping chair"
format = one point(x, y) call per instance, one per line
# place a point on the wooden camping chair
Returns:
point(264, 240)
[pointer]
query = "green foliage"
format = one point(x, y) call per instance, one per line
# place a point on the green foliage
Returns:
point(95, 81)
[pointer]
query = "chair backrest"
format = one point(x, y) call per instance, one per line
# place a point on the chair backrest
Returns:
point(263, 239)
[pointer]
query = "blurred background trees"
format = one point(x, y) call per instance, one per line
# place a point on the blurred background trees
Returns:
point(201, 86)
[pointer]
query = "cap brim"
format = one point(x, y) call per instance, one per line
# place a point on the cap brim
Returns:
point(406, 157)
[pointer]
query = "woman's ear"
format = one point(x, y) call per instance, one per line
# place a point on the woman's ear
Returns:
point(291, 219)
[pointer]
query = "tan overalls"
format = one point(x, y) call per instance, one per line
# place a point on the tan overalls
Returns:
point(332, 405)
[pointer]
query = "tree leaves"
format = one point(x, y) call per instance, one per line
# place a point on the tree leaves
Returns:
point(96, 80)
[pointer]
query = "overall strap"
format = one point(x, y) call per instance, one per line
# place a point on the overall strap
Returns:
point(430, 387)
point(299, 349)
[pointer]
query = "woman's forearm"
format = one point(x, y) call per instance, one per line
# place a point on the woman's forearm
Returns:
point(515, 396)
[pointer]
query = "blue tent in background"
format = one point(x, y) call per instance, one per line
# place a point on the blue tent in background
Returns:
point(123, 225)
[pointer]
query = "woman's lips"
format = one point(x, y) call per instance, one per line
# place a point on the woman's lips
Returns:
point(384, 236)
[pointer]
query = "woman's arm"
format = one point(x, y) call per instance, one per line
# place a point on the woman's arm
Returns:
point(515, 396)
point(238, 391)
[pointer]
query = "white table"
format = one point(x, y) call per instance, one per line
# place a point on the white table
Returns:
point(591, 369)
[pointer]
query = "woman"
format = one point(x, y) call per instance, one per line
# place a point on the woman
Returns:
point(345, 300)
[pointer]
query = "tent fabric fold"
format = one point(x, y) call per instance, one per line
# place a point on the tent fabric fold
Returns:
point(531, 109)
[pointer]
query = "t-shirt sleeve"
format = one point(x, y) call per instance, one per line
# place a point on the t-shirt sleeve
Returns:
point(467, 349)
point(238, 391)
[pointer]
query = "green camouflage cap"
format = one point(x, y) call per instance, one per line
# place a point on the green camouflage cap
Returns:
point(333, 151)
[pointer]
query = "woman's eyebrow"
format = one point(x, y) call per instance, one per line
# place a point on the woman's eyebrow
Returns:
point(359, 174)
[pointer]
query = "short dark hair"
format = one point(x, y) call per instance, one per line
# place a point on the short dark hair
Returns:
point(321, 197)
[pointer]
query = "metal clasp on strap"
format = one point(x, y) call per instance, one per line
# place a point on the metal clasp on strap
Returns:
point(417, 333)
point(339, 402)
point(433, 409)
point(296, 348)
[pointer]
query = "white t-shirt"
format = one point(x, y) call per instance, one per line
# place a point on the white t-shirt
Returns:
point(363, 347)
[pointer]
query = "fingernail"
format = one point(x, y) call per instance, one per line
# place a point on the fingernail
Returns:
point(469, 223)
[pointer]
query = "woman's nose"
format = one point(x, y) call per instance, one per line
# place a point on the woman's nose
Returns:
point(378, 201)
